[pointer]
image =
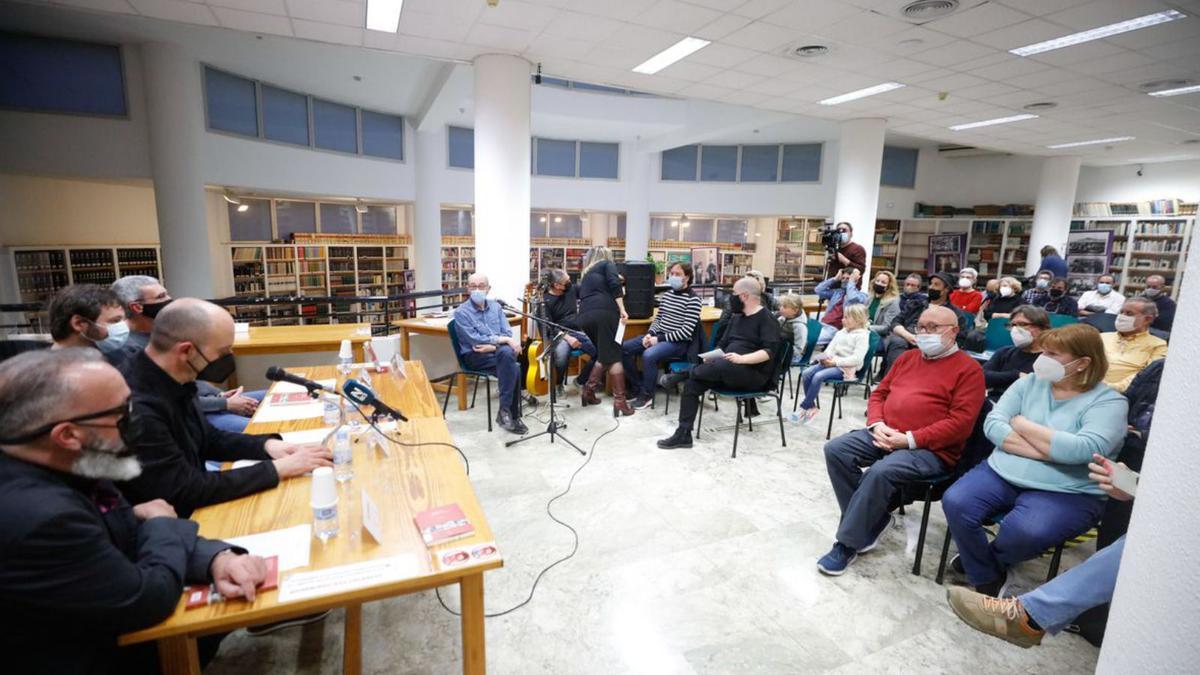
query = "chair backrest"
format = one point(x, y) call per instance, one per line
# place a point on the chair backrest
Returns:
point(454, 345)
point(978, 445)
point(872, 345)
point(10, 348)
point(1103, 322)
point(718, 327)
point(997, 335)
point(1060, 320)
point(814, 332)
point(783, 362)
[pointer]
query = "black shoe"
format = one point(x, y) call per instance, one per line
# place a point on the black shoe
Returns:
point(505, 420)
point(519, 427)
point(643, 402)
point(672, 379)
point(680, 439)
point(996, 587)
point(266, 628)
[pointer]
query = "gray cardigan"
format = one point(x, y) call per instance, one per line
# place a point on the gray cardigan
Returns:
point(888, 309)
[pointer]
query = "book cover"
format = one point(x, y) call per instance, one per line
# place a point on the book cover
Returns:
point(202, 595)
point(290, 398)
point(443, 524)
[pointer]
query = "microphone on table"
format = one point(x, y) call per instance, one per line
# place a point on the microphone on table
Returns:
point(277, 374)
point(363, 395)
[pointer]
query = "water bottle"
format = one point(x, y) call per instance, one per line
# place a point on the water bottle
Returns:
point(332, 410)
point(324, 504)
point(343, 456)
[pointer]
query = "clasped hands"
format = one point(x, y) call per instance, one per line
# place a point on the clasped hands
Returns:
point(510, 340)
point(887, 438)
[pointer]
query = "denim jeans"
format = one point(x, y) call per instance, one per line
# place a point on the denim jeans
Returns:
point(228, 421)
point(812, 379)
point(562, 355)
point(651, 358)
point(1035, 520)
point(503, 364)
point(1059, 601)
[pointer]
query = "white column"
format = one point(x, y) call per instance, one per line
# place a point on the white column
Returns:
point(860, 159)
point(1052, 212)
point(175, 115)
point(637, 202)
point(427, 228)
point(1153, 624)
point(502, 165)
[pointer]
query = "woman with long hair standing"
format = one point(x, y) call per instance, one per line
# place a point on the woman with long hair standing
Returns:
point(601, 310)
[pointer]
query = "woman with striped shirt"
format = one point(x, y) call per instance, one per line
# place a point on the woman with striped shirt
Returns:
point(668, 338)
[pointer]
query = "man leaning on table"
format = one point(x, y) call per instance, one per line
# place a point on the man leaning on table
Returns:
point(193, 340)
point(78, 564)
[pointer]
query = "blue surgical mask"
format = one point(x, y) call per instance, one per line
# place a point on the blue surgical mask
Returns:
point(844, 237)
point(117, 334)
point(676, 283)
point(479, 297)
point(931, 344)
point(1104, 289)
point(1043, 283)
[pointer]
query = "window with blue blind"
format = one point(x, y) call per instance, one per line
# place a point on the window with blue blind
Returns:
point(680, 163)
point(718, 163)
point(253, 224)
point(598, 160)
point(285, 116)
point(379, 220)
point(802, 163)
point(461, 147)
point(52, 75)
point(232, 104)
point(335, 126)
point(760, 163)
point(555, 158)
point(292, 217)
point(457, 223)
point(734, 231)
point(339, 219)
point(621, 220)
point(382, 135)
point(899, 167)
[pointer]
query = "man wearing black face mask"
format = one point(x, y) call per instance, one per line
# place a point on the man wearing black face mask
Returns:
point(193, 340)
point(904, 327)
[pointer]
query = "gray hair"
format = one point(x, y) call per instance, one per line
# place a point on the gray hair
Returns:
point(1036, 315)
point(749, 285)
point(1148, 306)
point(129, 289)
point(36, 387)
point(555, 275)
point(184, 320)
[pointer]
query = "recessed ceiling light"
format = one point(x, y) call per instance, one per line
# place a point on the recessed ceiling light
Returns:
point(991, 122)
point(1099, 33)
point(242, 208)
point(862, 93)
point(679, 50)
point(1041, 105)
point(1178, 91)
point(384, 15)
point(911, 43)
point(1098, 141)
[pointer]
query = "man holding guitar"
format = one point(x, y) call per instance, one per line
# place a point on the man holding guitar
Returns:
point(560, 305)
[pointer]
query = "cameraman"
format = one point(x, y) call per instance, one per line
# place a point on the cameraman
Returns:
point(839, 290)
point(847, 254)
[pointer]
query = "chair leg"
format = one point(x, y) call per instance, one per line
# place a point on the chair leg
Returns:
point(449, 393)
point(700, 419)
point(779, 414)
point(667, 405)
point(487, 386)
point(737, 426)
point(475, 393)
point(832, 405)
point(749, 420)
point(1055, 561)
point(916, 570)
point(789, 380)
point(945, 555)
point(841, 394)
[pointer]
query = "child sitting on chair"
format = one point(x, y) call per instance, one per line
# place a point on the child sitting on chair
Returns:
point(793, 324)
point(840, 361)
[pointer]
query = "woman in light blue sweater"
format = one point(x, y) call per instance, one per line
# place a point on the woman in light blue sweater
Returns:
point(1046, 428)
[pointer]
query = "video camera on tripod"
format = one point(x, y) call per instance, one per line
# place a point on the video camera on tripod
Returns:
point(831, 239)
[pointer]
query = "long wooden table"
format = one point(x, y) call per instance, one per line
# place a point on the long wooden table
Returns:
point(295, 339)
point(411, 480)
point(436, 326)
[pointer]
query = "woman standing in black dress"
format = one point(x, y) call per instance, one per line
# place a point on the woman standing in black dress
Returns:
point(601, 311)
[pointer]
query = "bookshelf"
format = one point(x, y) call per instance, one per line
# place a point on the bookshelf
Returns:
point(735, 264)
point(886, 246)
point(458, 263)
point(799, 255)
point(996, 247)
point(41, 271)
point(1144, 245)
point(914, 246)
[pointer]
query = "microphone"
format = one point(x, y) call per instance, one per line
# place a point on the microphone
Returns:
point(277, 374)
point(503, 304)
point(362, 395)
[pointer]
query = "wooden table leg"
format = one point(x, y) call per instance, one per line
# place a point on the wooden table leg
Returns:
point(178, 655)
point(470, 590)
point(404, 343)
point(352, 643)
point(460, 383)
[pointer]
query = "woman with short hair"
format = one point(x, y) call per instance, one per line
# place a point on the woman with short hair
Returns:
point(1008, 364)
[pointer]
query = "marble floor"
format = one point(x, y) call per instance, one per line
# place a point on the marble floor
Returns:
point(688, 562)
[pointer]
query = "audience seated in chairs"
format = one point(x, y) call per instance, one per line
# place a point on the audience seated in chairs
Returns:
point(910, 291)
point(768, 300)
point(667, 339)
point(1008, 297)
point(1009, 364)
point(560, 303)
point(85, 315)
point(1131, 348)
point(1157, 292)
point(883, 301)
point(487, 344)
point(1039, 293)
point(839, 291)
point(748, 363)
point(793, 325)
point(918, 420)
point(1102, 299)
point(841, 360)
point(904, 327)
point(1059, 300)
point(1046, 429)
point(965, 296)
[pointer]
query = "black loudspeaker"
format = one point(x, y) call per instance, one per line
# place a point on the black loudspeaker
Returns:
point(639, 288)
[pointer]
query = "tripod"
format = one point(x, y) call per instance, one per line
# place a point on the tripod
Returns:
point(552, 428)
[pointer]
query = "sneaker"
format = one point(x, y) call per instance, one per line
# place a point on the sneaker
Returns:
point(267, 628)
point(810, 416)
point(956, 564)
point(680, 439)
point(643, 402)
point(995, 588)
point(888, 521)
point(837, 560)
point(560, 392)
point(1004, 618)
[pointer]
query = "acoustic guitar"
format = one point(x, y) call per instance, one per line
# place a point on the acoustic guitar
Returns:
point(536, 352)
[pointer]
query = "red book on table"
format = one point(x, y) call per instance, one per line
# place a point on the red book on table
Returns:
point(442, 524)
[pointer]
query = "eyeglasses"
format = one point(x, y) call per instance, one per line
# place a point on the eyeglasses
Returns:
point(1020, 324)
point(124, 411)
point(933, 327)
point(477, 287)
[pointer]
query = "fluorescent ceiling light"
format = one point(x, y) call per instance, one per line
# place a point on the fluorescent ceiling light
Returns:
point(1177, 91)
point(677, 51)
point(1098, 141)
point(384, 15)
point(1099, 33)
point(862, 93)
point(988, 123)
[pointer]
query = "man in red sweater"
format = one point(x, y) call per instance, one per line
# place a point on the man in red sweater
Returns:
point(918, 420)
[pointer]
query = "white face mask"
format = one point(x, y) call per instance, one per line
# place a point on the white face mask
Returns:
point(1021, 337)
point(1125, 323)
point(965, 282)
point(930, 344)
point(1006, 291)
point(1050, 370)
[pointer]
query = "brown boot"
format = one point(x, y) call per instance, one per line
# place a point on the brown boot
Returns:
point(620, 405)
point(588, 393)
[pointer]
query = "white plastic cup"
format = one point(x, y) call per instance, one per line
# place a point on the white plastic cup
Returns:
point(346, 352)
point(324, 488)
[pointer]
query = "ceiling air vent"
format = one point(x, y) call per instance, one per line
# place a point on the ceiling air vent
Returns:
point(1191, 141)
point(927, 10)
point(806, 51)
point(1041, 105)
point(1163, 84)
point(954, 151)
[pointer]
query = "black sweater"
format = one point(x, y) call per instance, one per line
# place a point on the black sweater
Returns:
point(1002, 305)
point(1005, 367)
point(748, 334)
point(600, 288)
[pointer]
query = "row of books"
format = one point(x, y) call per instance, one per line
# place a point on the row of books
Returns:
point(1163, 207)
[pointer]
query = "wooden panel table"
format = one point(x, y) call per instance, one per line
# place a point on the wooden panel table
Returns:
point(411, 480)
point(436, 326)
point(294, 339)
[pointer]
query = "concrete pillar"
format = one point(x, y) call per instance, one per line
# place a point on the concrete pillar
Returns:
point(1052, 212)
point(427, 226)
point(502, 166)
point(175, 116)
point(860, 161)
point(637, 202)
point(1153, 624)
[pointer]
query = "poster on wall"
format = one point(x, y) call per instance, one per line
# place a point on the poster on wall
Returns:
point(706, 265)
point(947, 253)
point(1089, 255)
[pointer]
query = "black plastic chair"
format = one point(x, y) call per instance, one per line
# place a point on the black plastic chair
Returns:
point(463, 369)
point(683, 365)
point(841, 387)
point(782, 362)
point(1055, 557)
point(10, 348)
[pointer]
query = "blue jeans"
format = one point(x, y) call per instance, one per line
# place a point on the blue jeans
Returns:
point(562, 354)
point(1057, 602)
point(651, 358)
point(1035, 520)
point(503, 364)
point(865, 497)
point(812, 379)
point(227, 421)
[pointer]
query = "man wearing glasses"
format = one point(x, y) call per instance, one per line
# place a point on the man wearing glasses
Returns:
point(78, 564)
point(560, 304)
point(918, 420)
point(487, 344)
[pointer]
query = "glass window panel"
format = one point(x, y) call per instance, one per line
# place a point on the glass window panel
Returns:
point(379, 220)
point(537, 224)
point(664, 228)
point(383, 135)
point(899, 167)
point(555, 158)
point(294, 217)
point(598, 160)
point(696, 229)
point(680, 163)
point(718, 163)
point(462, 147)
point(760, 163)
point(802, 163)
point(556, 82)
point(61, 75)
point(335, 126)
point(565, 225)
point(253, 224)
point(733, 231)
point(621, 226)
point(457, 222)
point(339, 219)
point(285, 116)
point(586, 86)
point(231, 104)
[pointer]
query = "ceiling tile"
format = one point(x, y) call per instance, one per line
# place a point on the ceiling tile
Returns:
point(438, 49)
point(329, 11)
point(1174, 50)
point(723, 55)
point(948, 80)
point(623, 10)
point(1013, 67)
point(986, 90)
point(583, 27)
point(676, 16)
point(176, 10)
point(499, 37)
point(1156, 35)
point(1041, 7)
point(328, 32)
point(719, 5)
point(261, 6)
point(808, 15)
point(653, 40)
point(902, 70)
point(704, 90)
point(863, 29)
point(977, 20)
point(732, 79)
point(692, 72)
point(1103, 12)
point(722, 26)
point(433, 26)
point(466, 10)
point(1111, 64)
point(617, 57)
point(118, 6)
point(554, 47)
point(775, 87)
point(953, 53)
point(767, 64)
point(253, 22)
point(1076, 53)
point(1041, 78)
point(759, 36)
point(914, 40)
point(1076, 85)
point(1021, 34)
point(517, 14)
point(757, 9)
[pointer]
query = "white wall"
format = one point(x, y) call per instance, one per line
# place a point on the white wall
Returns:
point(43, 210)
point(1166, 180)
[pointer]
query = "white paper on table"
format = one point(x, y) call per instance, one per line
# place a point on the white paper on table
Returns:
point(290, 544)
point(288, 387)
point(294, 411)
point(304, 585)
point(620, 336)
point(307, 435)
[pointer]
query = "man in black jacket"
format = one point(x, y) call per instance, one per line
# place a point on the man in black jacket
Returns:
point(560, 303)
point(79, 565)
point(193, 339)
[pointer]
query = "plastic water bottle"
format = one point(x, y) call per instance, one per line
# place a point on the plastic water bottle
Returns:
point(343, 456)
point(331, 410)
point(324, 504)
point(325, 521)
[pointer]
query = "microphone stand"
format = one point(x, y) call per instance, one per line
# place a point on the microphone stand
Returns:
point(552, 428)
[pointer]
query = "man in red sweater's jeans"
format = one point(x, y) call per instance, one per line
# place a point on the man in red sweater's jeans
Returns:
point(918, 420)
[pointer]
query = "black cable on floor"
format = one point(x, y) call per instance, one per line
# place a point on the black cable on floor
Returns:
point(397, 441)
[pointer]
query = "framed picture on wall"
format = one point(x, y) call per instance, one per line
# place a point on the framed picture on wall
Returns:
point(706, 265)
point(1089, 255)
point(947, 253)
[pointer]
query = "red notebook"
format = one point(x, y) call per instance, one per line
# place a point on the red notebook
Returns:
point(443, 524)
point(202, 595)
point(290, 398)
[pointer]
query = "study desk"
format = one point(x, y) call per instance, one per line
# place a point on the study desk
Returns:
point(252, 348)
point(411, 480)
point(438, 326)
